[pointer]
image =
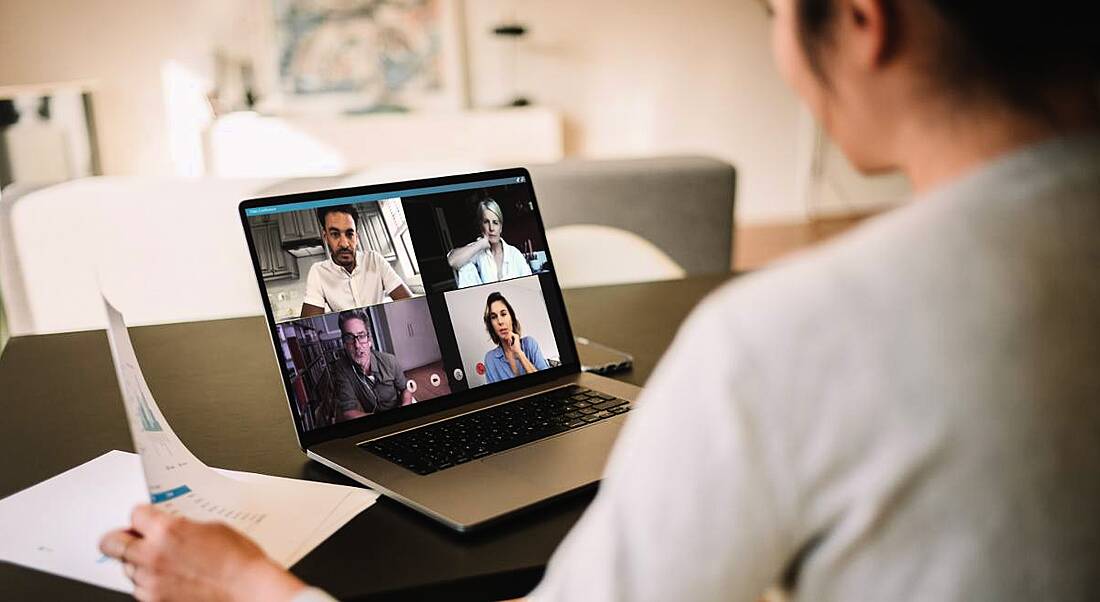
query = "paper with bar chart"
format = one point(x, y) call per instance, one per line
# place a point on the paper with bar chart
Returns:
point(55, 526)
point(282, 516)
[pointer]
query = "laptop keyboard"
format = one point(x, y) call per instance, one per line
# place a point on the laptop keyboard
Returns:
point(452, 442)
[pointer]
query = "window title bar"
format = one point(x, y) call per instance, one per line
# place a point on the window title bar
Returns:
point(362, 198)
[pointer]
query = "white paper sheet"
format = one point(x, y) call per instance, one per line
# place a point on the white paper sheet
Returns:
point(56, 525)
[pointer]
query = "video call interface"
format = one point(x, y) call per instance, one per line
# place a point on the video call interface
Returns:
point(386, 300)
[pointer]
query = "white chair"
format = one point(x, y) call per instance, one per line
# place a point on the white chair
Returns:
point(173, 250)
point(591, 255)
point(164, 250)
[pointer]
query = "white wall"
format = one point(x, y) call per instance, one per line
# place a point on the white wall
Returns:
point(412, 332)
point(652, 76)
point(631, 78)
point(467, 308)
point(124, 45)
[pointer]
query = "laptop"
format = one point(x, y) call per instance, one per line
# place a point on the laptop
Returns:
point(424, 345)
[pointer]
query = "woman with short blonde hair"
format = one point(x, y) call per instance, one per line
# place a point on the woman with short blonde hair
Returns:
point(489, 258)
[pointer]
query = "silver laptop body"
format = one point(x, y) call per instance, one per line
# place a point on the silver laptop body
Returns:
point(465, 379)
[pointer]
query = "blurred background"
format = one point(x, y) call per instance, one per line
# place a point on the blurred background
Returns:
point(153, 94)
point(642, 78)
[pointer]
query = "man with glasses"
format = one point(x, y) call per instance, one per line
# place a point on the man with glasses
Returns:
point(365, 380)
point(343, 281)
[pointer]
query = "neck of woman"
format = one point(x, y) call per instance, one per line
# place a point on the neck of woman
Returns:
point(946, 145)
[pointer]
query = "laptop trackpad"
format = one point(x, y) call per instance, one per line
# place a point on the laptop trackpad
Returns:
point(562, 463)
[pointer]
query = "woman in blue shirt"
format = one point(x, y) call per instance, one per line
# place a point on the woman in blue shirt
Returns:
point(514, 354)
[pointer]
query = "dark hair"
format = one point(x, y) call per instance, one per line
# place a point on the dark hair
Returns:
point(348, 209)
point(353, 314)
point(493, 298)
point(1017, 51)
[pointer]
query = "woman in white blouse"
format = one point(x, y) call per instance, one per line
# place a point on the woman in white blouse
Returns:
point(489, 258)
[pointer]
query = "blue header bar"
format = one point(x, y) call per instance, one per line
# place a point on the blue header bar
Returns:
point(362, 198)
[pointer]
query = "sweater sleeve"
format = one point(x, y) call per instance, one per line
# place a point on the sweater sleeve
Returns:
point(685, 510)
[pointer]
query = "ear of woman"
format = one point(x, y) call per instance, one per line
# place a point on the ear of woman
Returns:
point(870, 33)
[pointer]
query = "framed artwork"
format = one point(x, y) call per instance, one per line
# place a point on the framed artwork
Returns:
point(371, 55)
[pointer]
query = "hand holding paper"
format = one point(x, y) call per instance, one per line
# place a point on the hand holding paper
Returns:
point(55, 526)
point(282, 516)
point(171, 557)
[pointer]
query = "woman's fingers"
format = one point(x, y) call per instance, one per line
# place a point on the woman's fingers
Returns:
point(117, 543)
point(147, 520)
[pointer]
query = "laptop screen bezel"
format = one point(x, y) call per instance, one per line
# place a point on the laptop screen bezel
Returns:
point(570, 363)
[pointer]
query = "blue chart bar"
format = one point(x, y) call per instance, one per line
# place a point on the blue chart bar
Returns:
point(171, 494)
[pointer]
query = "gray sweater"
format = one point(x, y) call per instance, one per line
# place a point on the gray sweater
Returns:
point(910, 413)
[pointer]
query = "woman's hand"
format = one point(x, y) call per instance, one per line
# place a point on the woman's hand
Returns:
point(459, 257)
point(172, 558)
point(514, 348)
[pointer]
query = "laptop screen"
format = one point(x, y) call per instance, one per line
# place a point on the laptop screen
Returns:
point(397, 300)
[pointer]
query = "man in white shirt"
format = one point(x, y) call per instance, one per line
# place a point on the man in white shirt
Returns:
point(346, 281)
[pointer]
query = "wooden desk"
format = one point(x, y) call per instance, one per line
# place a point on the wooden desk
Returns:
point(217, 383)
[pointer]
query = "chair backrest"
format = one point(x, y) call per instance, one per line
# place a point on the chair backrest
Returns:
point(588, 255)
point(163, 250)
point(683, 205)
point(172, 250)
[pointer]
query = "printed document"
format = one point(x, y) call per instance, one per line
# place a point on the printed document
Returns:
point(55, 525)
